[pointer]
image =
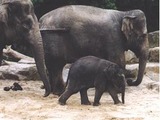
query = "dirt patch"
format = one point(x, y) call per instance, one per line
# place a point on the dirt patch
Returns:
point(141, 103)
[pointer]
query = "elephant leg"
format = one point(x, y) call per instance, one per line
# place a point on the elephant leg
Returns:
point(114, 95)
point(57, 83)
point(98, 94)
point(84, 97)
point(55, 76)
point(52, 82)
point(64, 97)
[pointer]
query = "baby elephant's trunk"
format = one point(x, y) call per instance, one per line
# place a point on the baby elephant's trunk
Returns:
point(123, 95)
point(123, 89)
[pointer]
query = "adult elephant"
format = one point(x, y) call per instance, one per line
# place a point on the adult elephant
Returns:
point(74, 31)
point(18, 24)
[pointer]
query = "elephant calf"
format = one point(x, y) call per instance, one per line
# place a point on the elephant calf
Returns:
point(90, 72)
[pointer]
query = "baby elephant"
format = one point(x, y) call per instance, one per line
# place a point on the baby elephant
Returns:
point(90, 72)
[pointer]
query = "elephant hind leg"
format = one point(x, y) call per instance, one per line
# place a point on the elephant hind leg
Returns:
point(84, 97)
point(59, 84)
point(57, 81)
point(64, 97)
point(55, 77)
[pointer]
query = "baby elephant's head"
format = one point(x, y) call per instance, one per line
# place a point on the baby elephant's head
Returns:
point(116, 76)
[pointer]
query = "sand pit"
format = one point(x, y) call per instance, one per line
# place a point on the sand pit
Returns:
point(141, 103)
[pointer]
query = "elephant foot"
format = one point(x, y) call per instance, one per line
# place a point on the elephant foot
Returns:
point(117, 102)
point(59, 88)
point(61, 103)
point(46, 93)
point(59, 93)
point(86, 103)
point(96, 104)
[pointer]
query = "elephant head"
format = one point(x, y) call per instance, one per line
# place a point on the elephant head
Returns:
point(18, 24)
point(116, 77)
point(135, 30)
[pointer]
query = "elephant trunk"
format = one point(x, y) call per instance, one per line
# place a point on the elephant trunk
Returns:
point(123, 90)
point(143, 57)
point(38, 51)
point(142, 66)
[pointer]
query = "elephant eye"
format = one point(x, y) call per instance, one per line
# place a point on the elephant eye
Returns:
point(141, 37)
point(27, 24)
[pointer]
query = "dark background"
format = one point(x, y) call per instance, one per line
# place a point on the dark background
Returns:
point(149, 7)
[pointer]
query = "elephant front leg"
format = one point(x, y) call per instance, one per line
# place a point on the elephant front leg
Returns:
point(84, 97)
point(114, 95)
point(97, 97)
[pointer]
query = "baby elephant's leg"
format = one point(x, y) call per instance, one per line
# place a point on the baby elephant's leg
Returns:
point(84, 97)
point(97, 97)
point(63, 98)
point(114, 95)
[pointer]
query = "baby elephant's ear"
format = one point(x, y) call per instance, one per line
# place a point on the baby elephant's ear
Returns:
point(109, 72)
point(120, 72)
point(121, 76)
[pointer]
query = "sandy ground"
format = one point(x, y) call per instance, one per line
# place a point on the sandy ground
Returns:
point(141, 103)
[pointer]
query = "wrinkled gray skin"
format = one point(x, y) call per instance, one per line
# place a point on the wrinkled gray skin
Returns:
point(74, 31)
point(18, 24)
point(90, 72)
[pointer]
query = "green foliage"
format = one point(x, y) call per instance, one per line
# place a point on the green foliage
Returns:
point(110, 4)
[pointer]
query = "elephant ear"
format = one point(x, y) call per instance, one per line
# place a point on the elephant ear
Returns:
point(127, 25)
point(15, 13)
point(115, 75)
point(110, 71)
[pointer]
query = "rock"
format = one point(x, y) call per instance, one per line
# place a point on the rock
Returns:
point(19, 71)
point(130, 57)
point(153, 38)
point(154, 54)
point(152, 69)
point(153, 86)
